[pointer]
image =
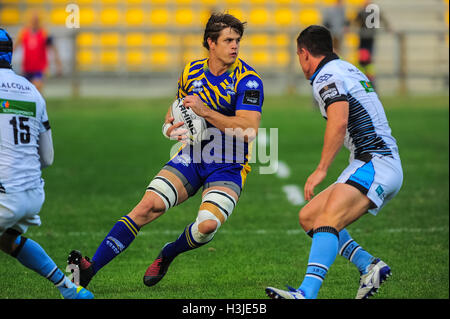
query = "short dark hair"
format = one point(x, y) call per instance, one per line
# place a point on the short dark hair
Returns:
point(316, 39)
point(219, 21)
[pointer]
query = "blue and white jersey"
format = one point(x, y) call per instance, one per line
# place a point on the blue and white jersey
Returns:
point(368, 130)
point(23, 117)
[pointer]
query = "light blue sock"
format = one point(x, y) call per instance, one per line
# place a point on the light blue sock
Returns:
point(324, 249)
point(352, 251)
point(34, 257)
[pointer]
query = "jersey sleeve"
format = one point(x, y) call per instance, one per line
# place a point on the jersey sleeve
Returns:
point(250, 93)
point(330, 89)
point(181, 92)
point(44, 124)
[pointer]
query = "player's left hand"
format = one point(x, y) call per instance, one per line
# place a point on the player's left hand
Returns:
point(313, 180)
point(196, 104)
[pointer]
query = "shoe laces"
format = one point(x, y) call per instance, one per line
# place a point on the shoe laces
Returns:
point(155, 267)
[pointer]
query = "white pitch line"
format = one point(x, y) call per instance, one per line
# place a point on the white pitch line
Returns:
point(278, 232)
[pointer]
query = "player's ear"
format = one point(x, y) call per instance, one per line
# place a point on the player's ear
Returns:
point(210, 43)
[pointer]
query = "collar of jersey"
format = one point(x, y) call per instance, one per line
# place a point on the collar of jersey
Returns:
point(325, 60)
point(219, 78)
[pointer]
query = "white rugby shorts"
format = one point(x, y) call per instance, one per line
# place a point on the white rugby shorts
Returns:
point(379, 179)
point(19, 210)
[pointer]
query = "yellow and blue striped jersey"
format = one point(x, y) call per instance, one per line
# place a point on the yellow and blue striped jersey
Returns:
point(239, 88)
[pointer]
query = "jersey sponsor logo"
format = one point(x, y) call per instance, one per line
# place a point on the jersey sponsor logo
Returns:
point(368, 86)
point(380, 192)
point(198, 86)
point(13, 85)
point(252, 84)
point(328, 92)
point(324, 78)
point(18, 107)
point(251, 97)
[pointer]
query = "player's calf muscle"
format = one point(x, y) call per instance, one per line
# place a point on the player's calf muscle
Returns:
point(148, 209)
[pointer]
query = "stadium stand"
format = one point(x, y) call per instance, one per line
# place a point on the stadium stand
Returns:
point(151, 35)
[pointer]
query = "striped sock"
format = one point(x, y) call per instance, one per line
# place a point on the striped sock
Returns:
point(352, 251)
point(118, 239)
point(33, 256)
point(185, 242)
point(323, 252)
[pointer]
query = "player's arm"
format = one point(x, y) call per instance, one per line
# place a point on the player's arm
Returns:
point(46, 152)
point(337, 114)
point(170, 129)
point(244, 124)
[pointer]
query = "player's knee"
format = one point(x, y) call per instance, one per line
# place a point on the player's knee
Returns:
point(306, 218)
point(208, 226)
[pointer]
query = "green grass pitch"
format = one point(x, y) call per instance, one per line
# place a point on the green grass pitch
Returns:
point(108, 150)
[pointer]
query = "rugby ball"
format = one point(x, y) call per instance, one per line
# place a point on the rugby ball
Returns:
point(195, 124)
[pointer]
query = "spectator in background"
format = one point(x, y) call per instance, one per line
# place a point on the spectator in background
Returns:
point(367, 31)
point(36, 43)
point(336, 21)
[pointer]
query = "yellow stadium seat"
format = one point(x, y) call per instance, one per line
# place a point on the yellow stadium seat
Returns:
point(134, 1)
point(284, 17)
point(329, 2)
point(110, 39)
point(134, 16)
point(58, 16)
point(109, 58)
point(159, 17)
point(183, 2)
point(351, 40)
point(238, 13)
point(160, 58)
point(355, 2)
point(84, 1)
point(184, 17)
point(209, 2)
point(135, 59)
point(135, 39)
point(261, 58)
point(85, 59)
point(282, 58)
point(308, 2)
point(109, 1)
point(257, 2)
point(9, 16)
point(159, 1)
point(110, 16)
point(233, 2)
point(203, 16)
point(87, 39)
point(284, 1)
point(282, 40)
point(259, 17)
point(258, 40)
point(31, 1)
point(87, 16)
point(309, 16)
point(160, 39)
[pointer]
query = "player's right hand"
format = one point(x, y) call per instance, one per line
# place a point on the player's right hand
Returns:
point(176, 133)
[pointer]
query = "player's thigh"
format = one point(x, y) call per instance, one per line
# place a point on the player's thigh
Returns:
point(309, 213)
point(21, 209)
point(345, 204)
